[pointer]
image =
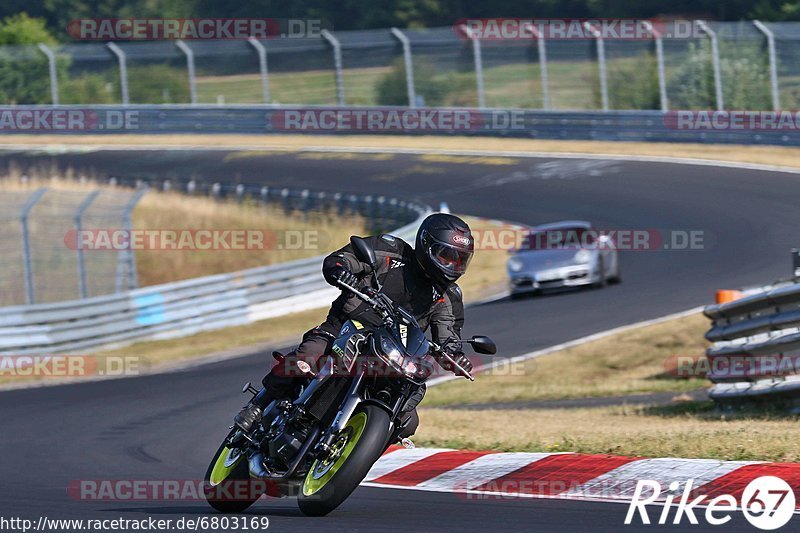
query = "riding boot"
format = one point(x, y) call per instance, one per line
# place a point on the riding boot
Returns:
point(275, 388)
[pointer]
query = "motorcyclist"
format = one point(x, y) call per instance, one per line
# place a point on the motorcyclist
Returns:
point(421, 279)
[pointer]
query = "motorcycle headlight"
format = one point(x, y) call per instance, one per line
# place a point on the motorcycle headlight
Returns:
point(391, 350)
point(398, 359)
point(583, 256)
point(514, 264)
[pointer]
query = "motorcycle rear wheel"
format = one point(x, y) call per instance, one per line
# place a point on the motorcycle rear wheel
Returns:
point(332, 479)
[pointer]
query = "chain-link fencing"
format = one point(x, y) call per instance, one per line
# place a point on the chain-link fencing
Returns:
point(726, 65)
point(42, 258)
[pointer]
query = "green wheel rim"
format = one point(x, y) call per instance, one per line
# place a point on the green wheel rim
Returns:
point(321, 472)
point(224, 466)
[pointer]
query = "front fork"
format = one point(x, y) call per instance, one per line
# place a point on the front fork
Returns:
point(349, 406)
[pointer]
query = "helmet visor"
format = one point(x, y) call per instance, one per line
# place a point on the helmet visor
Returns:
point(449, 259)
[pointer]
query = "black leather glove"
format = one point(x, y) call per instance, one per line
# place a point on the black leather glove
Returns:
point(340, 274)
point(462, 360)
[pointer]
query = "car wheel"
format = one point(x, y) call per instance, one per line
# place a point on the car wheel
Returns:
point(617, 278)
point(601, 280)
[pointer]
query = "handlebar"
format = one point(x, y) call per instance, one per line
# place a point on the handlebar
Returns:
point(447, 357)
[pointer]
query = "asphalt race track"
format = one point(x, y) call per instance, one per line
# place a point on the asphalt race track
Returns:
point(167, 426)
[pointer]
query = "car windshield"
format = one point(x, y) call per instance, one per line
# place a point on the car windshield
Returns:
point(559, 238)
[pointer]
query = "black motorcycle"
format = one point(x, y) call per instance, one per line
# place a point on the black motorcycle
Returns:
point(322, 445)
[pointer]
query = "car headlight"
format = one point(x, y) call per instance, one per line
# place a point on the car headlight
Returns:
point(514, 264)
point(583, 256)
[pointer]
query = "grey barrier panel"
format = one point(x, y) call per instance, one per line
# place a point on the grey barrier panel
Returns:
point(623, 125)
point(756, 345)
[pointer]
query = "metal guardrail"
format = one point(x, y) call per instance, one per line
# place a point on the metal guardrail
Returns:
point(173, 309)
point(756, 346)
point(647, 126)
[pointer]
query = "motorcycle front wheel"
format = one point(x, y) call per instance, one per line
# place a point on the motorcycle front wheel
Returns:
point(227, 484)
point(331, 479)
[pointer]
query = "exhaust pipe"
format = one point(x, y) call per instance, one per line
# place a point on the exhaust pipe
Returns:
point(256, 466)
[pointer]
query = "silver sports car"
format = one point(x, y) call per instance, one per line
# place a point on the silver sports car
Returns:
point(561, 255)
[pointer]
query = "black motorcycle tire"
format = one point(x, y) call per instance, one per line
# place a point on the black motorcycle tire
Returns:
point(232, 479)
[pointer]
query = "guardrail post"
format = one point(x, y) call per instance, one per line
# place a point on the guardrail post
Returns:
point(51, 65)
point(476, 54)
point(83, 291)
point(409, 66)
point(127, 257)
point(337, 63)
point(662, 78)
point(123, 71)
point(26, 244)
point(287, 202)
point(714, 62)
point(190, 69)
point(541, 46)
point(262, 66)
point(601, 63)
point(773, 63)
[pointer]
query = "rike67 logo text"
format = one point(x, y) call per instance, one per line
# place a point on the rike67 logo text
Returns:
point(767, 502)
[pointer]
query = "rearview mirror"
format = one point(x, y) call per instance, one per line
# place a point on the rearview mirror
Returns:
point(483, 344)
point(363, 251)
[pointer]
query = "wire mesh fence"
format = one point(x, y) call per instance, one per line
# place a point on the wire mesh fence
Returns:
point(41, 257)
point(61, 244)
point(730, 65)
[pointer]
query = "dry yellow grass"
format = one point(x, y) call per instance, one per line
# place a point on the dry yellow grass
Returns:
point(487, 271)
point(768, 155)
point(697, 432)
point(295, 236)
point(634, 361)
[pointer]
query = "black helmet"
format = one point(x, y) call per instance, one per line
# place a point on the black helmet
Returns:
point(444, 248)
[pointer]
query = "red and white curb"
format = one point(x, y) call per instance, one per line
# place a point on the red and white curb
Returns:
point(564, 475)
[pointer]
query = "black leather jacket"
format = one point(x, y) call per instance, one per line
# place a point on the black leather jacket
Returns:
point(440, 309)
